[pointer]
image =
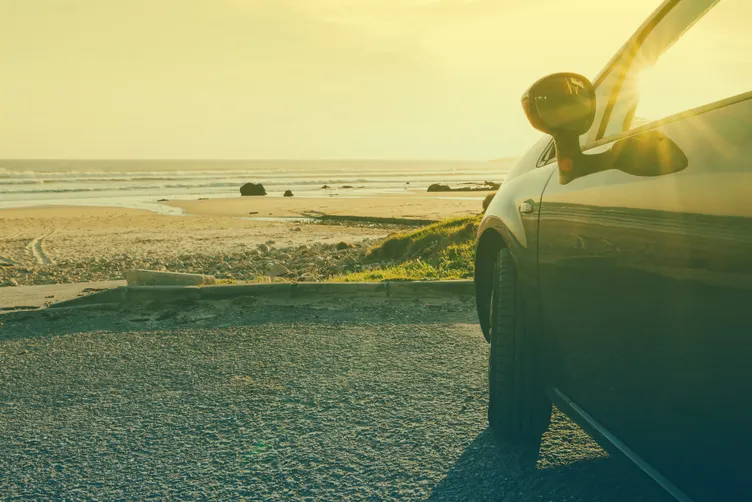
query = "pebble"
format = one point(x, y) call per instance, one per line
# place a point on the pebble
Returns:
point(320, 259)
point(277, 270)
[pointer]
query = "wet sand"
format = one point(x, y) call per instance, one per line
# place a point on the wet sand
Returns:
point(414, 205)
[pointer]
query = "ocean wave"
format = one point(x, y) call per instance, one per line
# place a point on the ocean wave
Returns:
point(121, 188)
point(79, 175)
point(22, 182)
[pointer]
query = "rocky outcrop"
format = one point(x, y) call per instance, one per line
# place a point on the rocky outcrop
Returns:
point(288, 193)
point(251, 189)
point(438, 187)
point(474, 187)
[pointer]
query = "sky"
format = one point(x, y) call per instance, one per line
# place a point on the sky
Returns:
point(293, 79)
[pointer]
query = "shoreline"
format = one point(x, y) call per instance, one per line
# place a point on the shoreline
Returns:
point(410, 206)
point(141, 183)
point(271, 203)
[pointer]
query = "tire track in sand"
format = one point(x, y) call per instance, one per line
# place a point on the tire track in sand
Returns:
point(36, 248)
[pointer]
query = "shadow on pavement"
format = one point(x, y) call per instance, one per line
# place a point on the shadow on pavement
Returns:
point(489, 470)
point(238, 312)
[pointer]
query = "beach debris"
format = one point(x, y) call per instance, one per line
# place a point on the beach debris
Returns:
point(297, 229)
point(325, 187)
point(263, 248)
point(347, 186)
point(288, 193)
point(278, 270)
point(344, 245)
point(252, 189)
point(203, 198)
point(253, 212)
point(163, 200)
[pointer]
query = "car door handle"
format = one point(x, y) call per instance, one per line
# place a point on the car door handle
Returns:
point(526, 208)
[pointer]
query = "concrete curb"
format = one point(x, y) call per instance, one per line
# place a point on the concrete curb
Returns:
point(166, 294)
point(158, 278)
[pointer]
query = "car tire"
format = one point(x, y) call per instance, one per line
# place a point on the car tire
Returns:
point(518, 409)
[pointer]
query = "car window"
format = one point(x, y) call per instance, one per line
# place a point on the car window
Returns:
point(700, 53)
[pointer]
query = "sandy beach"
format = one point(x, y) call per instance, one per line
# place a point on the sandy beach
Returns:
point(48, 245)
point(414, 205)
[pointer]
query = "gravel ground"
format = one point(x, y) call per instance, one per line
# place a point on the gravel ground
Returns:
point(381, 400)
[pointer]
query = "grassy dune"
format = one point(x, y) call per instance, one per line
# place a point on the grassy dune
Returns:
point(443, 250)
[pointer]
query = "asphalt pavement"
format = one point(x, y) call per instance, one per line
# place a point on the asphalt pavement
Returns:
point(246, 399)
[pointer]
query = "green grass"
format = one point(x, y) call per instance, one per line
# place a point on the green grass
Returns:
point(443, 250)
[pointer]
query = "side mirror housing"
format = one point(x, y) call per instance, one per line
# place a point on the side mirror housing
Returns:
point(562, 105)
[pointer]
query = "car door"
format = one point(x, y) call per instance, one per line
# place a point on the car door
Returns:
point(645, 269)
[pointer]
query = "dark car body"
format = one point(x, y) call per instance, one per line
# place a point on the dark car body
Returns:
point(641, 287)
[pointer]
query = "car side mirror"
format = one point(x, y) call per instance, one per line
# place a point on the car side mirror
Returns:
point(562, 105)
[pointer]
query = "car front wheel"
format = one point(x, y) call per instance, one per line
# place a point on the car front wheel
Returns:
point(518, 408)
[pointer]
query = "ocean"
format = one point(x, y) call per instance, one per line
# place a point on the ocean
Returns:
point(141, 183)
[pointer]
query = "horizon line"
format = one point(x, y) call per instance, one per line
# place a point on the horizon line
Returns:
point(247, 159)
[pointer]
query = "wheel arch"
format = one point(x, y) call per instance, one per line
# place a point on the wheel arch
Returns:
point(488, 246)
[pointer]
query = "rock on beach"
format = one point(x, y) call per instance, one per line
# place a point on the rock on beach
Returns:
point(252, 189)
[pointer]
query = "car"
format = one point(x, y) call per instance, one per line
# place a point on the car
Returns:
point(613, 268)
